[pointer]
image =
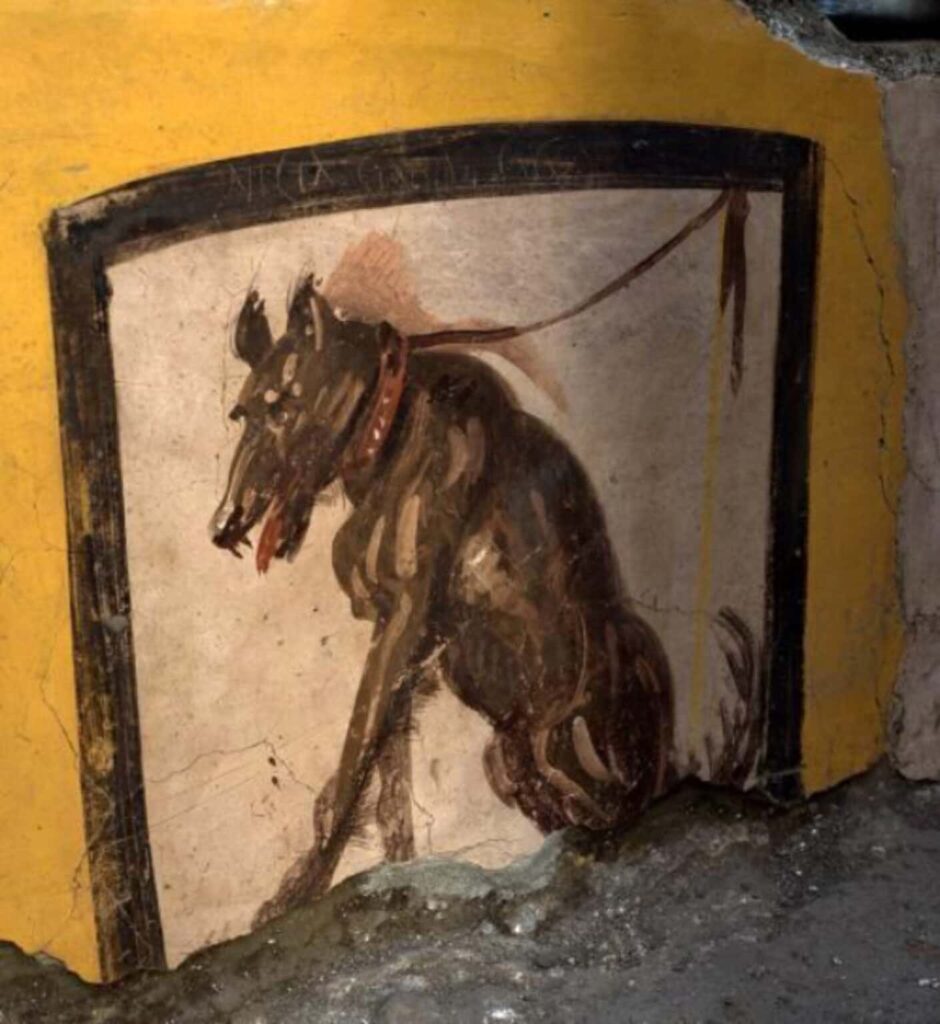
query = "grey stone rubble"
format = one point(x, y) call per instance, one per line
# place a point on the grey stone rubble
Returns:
point(716, 908)
point(801, 23)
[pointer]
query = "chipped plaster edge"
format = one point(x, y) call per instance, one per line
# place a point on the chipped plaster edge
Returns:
point(802, 25)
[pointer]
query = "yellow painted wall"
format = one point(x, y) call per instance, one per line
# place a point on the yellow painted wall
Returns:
point(94, 93)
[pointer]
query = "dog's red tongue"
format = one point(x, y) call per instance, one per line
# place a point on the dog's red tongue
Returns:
point(270, 535)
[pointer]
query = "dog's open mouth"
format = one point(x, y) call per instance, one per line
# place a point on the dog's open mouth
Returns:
point(276, 539)
point(281, 506)
point(234, 533)
point(284, 525)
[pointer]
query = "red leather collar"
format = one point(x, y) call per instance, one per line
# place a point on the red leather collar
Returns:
point(377, 423)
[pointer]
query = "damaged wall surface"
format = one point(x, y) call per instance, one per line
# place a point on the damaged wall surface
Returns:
point(196, 695)
point(912, 121)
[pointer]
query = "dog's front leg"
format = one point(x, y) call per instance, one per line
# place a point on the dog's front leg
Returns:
point(382, 705)
point(393, 809)
point(393, 812)
point(400, 641)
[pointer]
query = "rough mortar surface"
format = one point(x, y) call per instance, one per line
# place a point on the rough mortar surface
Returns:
point(913, 131)
point(713, 910)
point(801, 23)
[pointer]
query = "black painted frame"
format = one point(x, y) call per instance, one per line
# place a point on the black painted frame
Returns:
point(448, 163)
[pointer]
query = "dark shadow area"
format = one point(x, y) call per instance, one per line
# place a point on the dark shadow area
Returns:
point(883, 21)
point(869, 29)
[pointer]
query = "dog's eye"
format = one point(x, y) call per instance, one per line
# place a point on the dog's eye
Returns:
point(278, 413)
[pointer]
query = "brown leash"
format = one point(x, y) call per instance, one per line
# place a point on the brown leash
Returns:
point(393, 358)
point(475, 337)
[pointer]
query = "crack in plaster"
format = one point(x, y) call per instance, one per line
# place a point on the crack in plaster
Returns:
point(264, 743)
point(855, 208)
point(44, 696)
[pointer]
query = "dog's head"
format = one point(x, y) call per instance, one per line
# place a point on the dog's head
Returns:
point(299, 408)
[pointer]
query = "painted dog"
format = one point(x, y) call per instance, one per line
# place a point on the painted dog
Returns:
point(476, 541)
point(477, 547)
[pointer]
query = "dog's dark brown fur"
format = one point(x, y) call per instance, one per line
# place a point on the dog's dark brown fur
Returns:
point(475, 543)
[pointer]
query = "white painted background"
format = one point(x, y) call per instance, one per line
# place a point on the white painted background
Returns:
point(245, 679)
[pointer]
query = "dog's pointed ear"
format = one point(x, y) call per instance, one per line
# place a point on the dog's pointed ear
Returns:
point(310, 314)
point(252, 334)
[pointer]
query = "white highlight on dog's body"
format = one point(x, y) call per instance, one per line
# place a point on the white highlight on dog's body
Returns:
point(360, 591)
point(382, 648)
point(477, 448)
point(372, 550)
point(459, 456)
point(318, 324)
point(406, 538)
point(586, 752)
point(289, 369)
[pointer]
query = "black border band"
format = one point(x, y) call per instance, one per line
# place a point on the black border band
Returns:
point(448, 163)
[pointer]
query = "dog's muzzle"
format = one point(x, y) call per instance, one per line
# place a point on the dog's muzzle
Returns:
point(226, 528)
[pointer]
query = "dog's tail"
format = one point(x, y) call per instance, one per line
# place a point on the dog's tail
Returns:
point(743, 724)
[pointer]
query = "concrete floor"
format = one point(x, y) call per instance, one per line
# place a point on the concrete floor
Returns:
point(715, 909)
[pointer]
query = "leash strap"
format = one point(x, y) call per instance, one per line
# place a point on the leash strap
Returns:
point(395, 347)
point(476, 337)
